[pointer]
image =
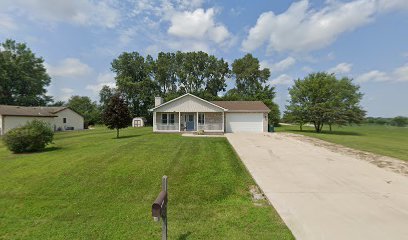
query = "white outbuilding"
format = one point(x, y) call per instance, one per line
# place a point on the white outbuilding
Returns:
point(139, 122)
point(59, 118)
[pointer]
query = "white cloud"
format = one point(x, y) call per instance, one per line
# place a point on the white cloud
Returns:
point(198, 24)
point(282, 79)
point(81, 12)
point(341, 68)
point(390, 5)
point(301, 28)
point(66, 93)
point(279, 66)
point(401, 73)
point(102, 80)
point(7, 24)
point(69, 67)
point(373, 76)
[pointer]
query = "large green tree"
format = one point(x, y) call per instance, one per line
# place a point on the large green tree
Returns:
point(250, 85)
point(105, 94)
point(321, 99)
point(134, 81)
point(23, 77)
point(249, 77)
point(165, 73)
point(140, 78)
point(201, 74)
point(85, 106)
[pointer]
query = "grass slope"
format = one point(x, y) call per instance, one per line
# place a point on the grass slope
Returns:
point(89, 185)
point(384, 140)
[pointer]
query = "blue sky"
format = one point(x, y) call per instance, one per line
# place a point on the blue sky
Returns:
point(366, 40)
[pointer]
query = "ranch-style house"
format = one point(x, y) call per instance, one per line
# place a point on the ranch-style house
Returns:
point(189, 113)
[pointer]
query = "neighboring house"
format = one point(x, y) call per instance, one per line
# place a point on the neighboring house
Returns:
point(59, 118)
point(191, 113)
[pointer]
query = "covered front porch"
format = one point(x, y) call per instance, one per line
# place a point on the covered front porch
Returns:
point(188, 121)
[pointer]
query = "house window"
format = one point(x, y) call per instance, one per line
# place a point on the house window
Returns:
point(171, 118)
point(164, 118)
point(64, 120)
point(201, 118)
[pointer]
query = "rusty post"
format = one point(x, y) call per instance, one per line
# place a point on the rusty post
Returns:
point(164, 210)
point(159, 208)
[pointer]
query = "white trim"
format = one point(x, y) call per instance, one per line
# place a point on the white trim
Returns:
point(179, 121)
point(248, 111)
point(166, 131)
point(223, 121)
point(187, 94)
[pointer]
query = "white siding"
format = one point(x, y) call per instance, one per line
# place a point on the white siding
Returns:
point(188, 104)
point(244, 122)
point(10, 122)
point(1, 125)
point(141, 122)
point(73, 120)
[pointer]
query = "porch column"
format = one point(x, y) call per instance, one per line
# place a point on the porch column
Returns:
point(197, 122)
point(223, 120)
point(179, 121)
point(154, 122)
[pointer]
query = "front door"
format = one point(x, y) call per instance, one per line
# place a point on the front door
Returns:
point(190, 122)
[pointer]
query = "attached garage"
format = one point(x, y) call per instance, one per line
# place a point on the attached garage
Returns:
point(190, 113)
point(245, 116)
point(243, 122)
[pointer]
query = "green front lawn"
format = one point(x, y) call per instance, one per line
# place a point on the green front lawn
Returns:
point(384, 140)
point(89, 185)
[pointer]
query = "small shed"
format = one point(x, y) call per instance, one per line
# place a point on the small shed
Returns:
point(138, 122)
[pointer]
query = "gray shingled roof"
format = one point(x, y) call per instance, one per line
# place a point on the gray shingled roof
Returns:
point(7, 110)
point(243, 106)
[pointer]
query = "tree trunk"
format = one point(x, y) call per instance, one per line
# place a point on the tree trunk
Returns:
point(117, 132)
point(330, 127)
point(301, 127)
point(318, 127)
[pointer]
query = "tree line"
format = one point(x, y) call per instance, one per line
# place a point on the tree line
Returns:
point(320, 98)
point(24, 81)
point(398, 121)
point(139, 79)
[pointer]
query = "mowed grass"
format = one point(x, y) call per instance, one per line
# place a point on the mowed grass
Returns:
point(384, 140)
point(89, 185)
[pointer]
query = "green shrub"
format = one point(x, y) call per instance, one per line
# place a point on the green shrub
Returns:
point(32, 137)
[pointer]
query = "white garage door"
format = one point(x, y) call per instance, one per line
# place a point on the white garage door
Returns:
point(244, 122)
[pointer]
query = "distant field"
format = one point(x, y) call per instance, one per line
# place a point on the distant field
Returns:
point(384, 140)
point(89, 185)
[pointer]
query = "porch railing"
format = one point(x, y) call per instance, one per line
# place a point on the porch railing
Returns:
point(210, 126)
point(168, 127)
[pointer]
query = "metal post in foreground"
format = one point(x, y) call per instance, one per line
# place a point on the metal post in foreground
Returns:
point(164, 216)
point(159, 208)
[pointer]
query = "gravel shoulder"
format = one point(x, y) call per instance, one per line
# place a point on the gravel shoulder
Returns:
point(385, 162)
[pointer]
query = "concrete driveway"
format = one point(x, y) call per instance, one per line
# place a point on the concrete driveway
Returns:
point(321, 194)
